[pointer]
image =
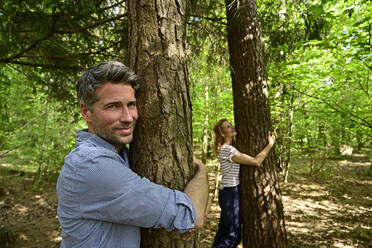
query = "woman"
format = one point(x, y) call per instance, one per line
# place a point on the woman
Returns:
point(229, 231)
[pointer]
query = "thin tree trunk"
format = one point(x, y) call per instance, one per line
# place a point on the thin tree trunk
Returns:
point(288, 144)
point(205, 126)
point(43, 145)
point(262, 209)
point(162, 146)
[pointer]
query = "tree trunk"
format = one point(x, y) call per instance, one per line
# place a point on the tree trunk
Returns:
point(205, 141)
point(289, 133)
point(41, 165)
point(262, 209)
point(162, 146)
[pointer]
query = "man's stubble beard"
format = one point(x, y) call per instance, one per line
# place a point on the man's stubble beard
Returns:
point(112, 138)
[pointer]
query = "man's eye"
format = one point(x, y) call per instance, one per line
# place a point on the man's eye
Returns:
point(111, 106)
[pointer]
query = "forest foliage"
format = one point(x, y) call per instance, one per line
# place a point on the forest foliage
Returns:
point(318, 68)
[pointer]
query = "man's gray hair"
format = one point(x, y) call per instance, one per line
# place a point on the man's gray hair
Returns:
point(96, 76)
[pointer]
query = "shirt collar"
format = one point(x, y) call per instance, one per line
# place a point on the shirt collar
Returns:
point(83, 136)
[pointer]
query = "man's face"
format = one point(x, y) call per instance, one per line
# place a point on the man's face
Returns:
point(114, 114)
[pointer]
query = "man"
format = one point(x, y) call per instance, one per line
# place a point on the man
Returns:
point(101, 201)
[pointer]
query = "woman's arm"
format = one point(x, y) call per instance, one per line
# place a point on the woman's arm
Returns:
point(242, 158)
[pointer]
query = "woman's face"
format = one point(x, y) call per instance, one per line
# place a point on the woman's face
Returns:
point(227, 129)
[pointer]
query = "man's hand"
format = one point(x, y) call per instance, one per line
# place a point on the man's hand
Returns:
point(198, 191)
point(199, 166)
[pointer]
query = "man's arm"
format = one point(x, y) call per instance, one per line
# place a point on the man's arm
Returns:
point(198, 191)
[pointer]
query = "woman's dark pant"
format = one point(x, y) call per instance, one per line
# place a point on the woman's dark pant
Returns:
point(229, 230)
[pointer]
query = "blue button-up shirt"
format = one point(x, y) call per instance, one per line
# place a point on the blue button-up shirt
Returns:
point(103, 203)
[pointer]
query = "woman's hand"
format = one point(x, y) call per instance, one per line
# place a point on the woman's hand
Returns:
point(271, 138)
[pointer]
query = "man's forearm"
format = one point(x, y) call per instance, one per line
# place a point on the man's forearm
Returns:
point(197, 191)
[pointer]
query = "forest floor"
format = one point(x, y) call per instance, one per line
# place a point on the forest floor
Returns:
point(330, 207)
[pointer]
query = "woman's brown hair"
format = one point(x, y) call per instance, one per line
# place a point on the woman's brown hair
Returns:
point(218, 139)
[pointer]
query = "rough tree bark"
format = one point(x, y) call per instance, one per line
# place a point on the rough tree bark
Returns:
point(162, 146)
point(262, 209)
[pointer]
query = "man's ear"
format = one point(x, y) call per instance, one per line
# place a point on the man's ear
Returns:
point(84, 112)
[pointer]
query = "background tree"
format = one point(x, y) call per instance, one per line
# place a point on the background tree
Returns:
point(262, 209)
point(162, 146)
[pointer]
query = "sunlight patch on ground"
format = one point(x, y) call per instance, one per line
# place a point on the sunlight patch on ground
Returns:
point(354, 164)
point(15, 167)
point(364, 182)
point(41, 201)
point(21, 208)
point(310, 215)
point(21, 236)
point(215, 210)
point(309, 190)
point(6, 165)
point(367, 198)
point(359, 155)
point(341, 245)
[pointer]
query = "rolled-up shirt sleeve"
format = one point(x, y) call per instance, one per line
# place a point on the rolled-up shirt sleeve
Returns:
point(110, 191)
point(182, 208)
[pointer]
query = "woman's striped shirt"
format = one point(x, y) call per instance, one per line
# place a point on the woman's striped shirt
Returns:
point(229, 169)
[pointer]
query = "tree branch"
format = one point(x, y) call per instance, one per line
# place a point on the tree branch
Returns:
point(36, 42)
point(18, 62)
point(21, 128)
point(93, 25)
point(4, 153)
point(360, 121)
point(213, 19)
point(50, 34)
point(114, 5)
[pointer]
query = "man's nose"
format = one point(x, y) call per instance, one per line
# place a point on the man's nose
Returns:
point(125, 115)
